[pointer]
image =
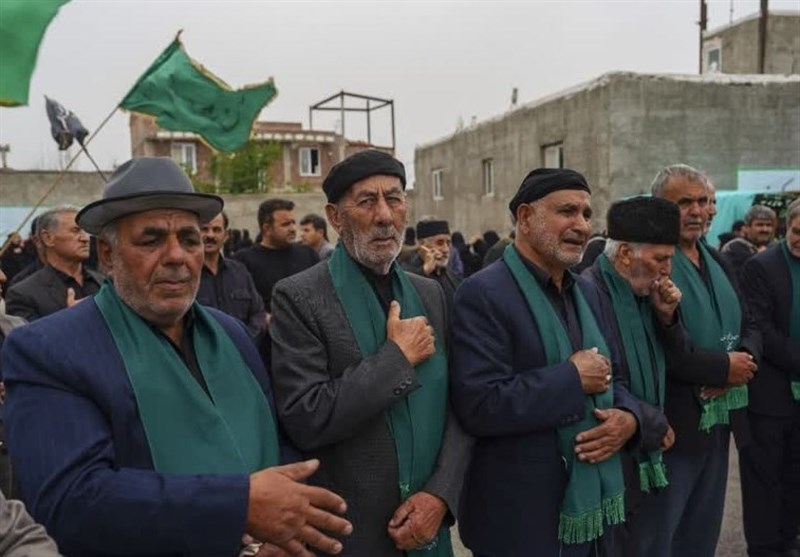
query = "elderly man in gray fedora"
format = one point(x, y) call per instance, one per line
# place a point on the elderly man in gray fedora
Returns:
point(140, 423)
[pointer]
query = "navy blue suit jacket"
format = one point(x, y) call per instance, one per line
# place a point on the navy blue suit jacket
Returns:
point(767, 283)
point(81, 456)
point(507, 396)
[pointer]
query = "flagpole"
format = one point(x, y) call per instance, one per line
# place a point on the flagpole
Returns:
point(96, 167)
point(60, 178)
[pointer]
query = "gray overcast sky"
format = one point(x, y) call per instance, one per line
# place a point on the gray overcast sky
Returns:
point(440, 61)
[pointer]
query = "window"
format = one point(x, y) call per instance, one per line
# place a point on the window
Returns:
point(714, 63)
point(436, 177)
point(553, 155)
point(185, 154)
point(309, 161)
point(488, 177)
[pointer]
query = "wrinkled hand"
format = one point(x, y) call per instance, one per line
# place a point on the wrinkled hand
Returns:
point(669, 439)
point(707, 393)
point(602, 441)
point(431, 259)
point(741, 368)
point(288, 514)
point(413, 336)
point(594, 370)
point(665, 297)
point(269, 550)
point(416, 521)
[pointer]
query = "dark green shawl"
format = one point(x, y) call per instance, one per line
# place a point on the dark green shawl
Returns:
point(595, 492)
point(645, 357)
point(713, 319)
point(417, 421)
point(189, 433)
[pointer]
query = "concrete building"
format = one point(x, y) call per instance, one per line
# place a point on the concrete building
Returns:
point(734, 48)
point(306, 155)
point(618, 130)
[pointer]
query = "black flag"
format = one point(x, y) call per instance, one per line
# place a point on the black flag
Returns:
point(64, 125)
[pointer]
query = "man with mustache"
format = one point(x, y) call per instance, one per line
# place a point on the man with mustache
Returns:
point(278, 255)
point(532, 381)
point(64, 280)
point(632, 275)
point(706, 391)
point(139, 421)
point(769, 466)
point(433, 254)
point(759, 230)
point(360, 371)
point(225, 283)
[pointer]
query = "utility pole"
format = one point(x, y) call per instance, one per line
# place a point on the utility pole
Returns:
point(762, 36)
point(703, 24)
point(4, 150)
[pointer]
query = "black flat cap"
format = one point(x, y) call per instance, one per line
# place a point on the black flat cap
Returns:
point(358, 167)
point(544, 181)
point(144, 184)
point(644, 220)
point(428, 228)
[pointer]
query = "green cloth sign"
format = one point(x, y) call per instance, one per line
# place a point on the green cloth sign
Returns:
point(22, 27)
point(184, 96)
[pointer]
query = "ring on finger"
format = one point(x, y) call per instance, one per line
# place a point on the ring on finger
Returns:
point(608, 378)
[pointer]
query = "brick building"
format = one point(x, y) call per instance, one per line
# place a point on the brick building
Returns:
point(306, 155)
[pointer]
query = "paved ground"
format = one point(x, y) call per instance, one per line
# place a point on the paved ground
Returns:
point(731, 542)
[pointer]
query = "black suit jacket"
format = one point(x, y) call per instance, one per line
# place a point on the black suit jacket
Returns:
point(767, 283)
point(42, 293)
point(690, 367)
point(513, 402)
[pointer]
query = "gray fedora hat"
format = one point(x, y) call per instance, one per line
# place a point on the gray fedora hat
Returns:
point(143, 184)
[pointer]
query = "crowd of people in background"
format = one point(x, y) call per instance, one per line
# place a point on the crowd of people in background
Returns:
point(176, 388)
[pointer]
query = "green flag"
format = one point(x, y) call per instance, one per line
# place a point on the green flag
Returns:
point(22, 26)
point(184, 96)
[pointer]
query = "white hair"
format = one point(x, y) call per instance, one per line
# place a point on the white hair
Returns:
point(612, 248)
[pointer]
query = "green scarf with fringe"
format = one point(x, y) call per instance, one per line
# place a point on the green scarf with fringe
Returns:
point(794, 313)
point(645, 357)
point(417, 421)
point(595, 493)
point(233, 432)
point(713, 319)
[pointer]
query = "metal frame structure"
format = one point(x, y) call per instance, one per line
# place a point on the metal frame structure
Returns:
point(324, 105)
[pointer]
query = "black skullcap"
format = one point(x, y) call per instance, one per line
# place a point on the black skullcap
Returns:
point(428, 228)
point(544, 181)
point(358, 167)
point(644, 220)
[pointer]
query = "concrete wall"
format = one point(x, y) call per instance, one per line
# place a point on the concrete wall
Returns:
point(514, 142)
point(618, 130)
point(739, 43)
point(716, 124)
point(24, 188)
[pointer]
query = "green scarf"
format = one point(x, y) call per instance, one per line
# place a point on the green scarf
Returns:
point(595, 492)
point(188, 432)
point(713, 320)
point(645, 357)
point(794, 314)
point(416, 422)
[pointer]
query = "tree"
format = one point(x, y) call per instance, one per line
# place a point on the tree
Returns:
point(246, 170)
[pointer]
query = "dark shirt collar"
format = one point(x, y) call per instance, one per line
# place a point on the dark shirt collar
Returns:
point(220, 266)
point(69, 279)
point(543, 277)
